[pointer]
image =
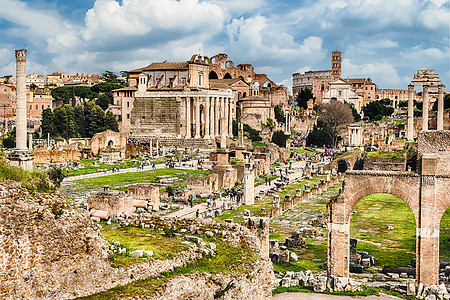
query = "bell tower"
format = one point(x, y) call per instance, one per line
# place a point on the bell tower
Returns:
point(335, 64)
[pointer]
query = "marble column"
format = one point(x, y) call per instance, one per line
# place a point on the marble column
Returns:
point(217, 116)
point(440, 112)
point(230, 118)
point(151, 147)
point(226, 105)
point(410, 113)
point(207, 107)
point(21, 100)
point(197, 118)
point(426, 104)
point(188, 117)
point(211, 117)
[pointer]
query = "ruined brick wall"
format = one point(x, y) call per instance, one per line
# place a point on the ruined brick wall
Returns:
point(384, 164)
point(155, 117)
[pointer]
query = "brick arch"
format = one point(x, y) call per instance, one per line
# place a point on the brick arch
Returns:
point(357, 186)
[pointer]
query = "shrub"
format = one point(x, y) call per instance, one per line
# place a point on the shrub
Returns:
point(279, 138)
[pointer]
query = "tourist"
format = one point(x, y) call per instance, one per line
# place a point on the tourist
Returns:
point(191, 200)
point(197, 213)
point(208, 202)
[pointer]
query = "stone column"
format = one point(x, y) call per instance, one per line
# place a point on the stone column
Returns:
point(427, 241)
point(338, 249)
point(207, 119)
point(440, 112)
point(197, 118)
point(226, 105)
point(151, 147)
point(230, 118)
point(217, 116)
point(157, 147)
point(21, 100)
point(426, 104)
point(188, 117)
point(410, 113)
point(249, 180)
point(30, 142)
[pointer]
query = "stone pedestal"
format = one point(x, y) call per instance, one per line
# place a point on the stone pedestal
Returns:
point(249, 180)
point(298, 197)
point(287, 204)
point(21, 159)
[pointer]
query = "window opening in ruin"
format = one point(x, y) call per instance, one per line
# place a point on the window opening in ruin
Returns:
point(342, 166)
point(213, 75)
point(227, 76)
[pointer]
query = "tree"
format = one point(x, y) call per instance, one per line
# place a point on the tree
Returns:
point(279, 138)
point(446, 103)
point(110, 76)
point(303, 97)
point(251, 133)
point(318, 137)
point(102, 101)
point(279, 114)
point(356, 115)
point(376, 110)
point(33, 87)
point(333, 116)
point(80, 121)
point(7, 78)
point(111, 122)
point(62, 93)
point(47, 125)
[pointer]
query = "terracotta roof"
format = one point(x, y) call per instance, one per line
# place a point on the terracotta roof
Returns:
point(128, 88)
point(163, 66)
point(224, 83)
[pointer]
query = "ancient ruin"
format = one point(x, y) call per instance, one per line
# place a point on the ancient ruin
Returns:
point(425, 191)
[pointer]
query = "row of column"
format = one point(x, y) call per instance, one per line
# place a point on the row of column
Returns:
point(425, 109)
point(217, 113)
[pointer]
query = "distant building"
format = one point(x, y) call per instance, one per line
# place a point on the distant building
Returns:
point(365, 88)
point(306, 80)
point(396, 96)
point(342, 91)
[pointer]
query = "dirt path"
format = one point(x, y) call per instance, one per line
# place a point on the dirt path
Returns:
point(306, 296)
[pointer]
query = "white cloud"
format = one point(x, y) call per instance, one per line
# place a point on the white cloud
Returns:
point(304, 69)
point(383, 74)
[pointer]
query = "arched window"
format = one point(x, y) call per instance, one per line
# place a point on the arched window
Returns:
point(213, 75)
point(227, 76)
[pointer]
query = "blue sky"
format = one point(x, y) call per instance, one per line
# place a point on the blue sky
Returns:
point(386, 40)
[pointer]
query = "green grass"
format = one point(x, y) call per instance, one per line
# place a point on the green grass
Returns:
point(121, 179)
point(258, 143)
point(33, 181)
point(444, 238)
point(228, 260)
point(387, 154)
point(367, 291)
point(89, 168)
point(141, 239)
point(374, 213)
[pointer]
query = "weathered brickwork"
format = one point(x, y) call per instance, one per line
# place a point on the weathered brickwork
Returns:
point(425, 192)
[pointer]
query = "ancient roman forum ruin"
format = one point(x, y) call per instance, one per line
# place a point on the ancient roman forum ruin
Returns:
point(431, 84)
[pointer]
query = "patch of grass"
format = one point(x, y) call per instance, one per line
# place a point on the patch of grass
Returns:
point(277, 236)
point(444, 238)
point(141, 239)
point(367, 291)
point(228, 260)
point(374, 213)
point(258, 143)
point(121, 179)
point(33, 181)
point(387, 154)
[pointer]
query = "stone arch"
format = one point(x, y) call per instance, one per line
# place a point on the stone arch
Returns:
point(227, 76)
point(267, 84)
point(213, 61)
point(213, 75)
point(239, 95)
point(342, 166)
point(242, 78)
point(357, 187)
point(110, 143)
point(244, 95)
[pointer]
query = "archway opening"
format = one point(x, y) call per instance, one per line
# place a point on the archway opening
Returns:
point(444, 243)
point(227, 76)
point(213, 75)
point(342, 166)
point(111, 143)
point(382, 230)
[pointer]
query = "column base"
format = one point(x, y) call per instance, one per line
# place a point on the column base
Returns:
point(21, 159)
